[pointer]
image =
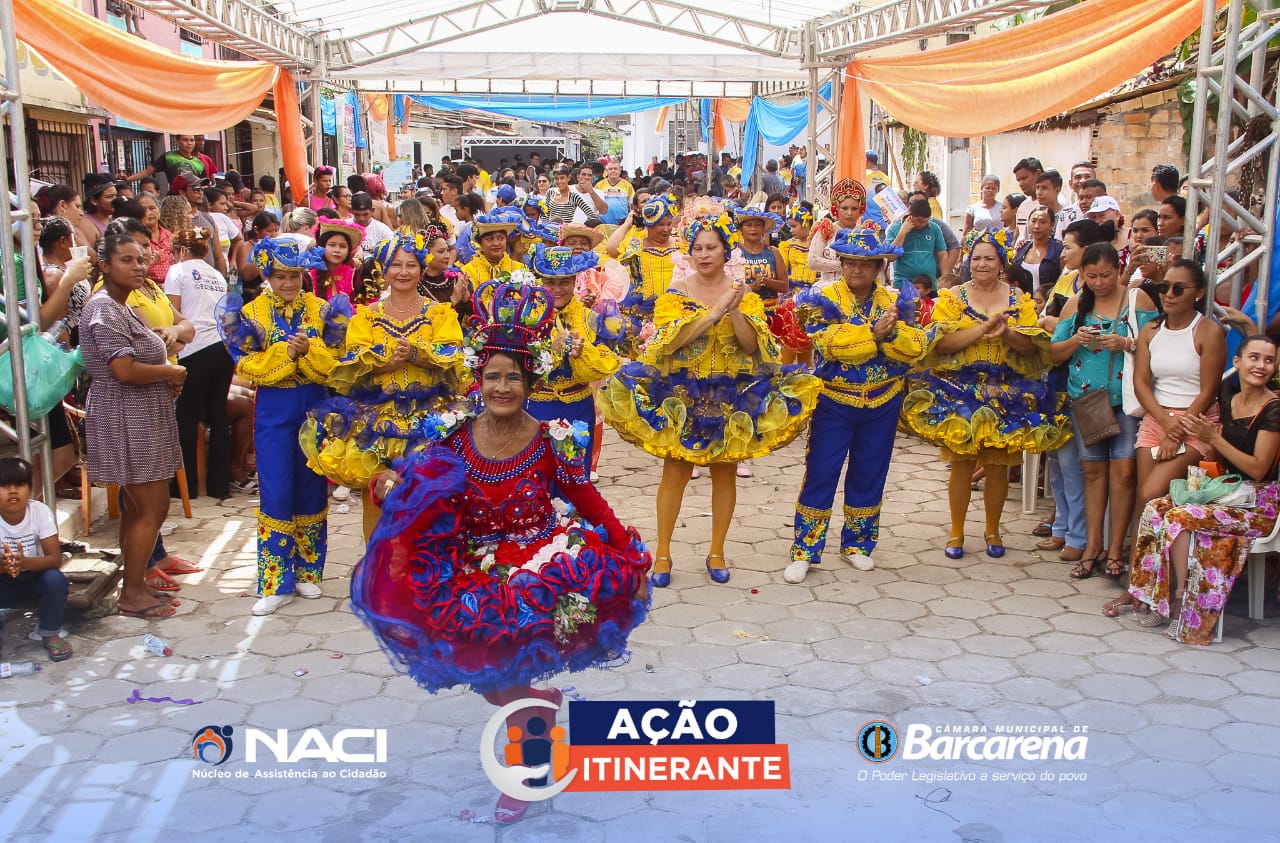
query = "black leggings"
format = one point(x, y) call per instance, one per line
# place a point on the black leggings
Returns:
point(204, 398)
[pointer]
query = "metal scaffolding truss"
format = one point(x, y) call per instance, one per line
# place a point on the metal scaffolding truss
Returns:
point(1235, 72)
point(250, 28)
point(908, 20)
point(428, 31)
point(13, 142)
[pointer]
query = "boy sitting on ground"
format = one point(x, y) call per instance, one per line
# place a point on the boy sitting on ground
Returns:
point(30, 556)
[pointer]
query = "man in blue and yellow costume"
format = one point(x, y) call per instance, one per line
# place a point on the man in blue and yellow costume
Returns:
point(865, 343)
point(582, 340)
point(490, 232)
point(286, 341)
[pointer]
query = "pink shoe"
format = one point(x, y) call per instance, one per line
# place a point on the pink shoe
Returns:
point(509, 810)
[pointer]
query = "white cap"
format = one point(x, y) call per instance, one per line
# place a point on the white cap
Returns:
point(1103, 204)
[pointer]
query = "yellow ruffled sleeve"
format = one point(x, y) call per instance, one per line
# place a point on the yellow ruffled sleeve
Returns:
point(597, 361)
point(907, 346)
point(269, 367)
point(671, 313)
point(441, 342)
point(752, 307)
point(366, 349)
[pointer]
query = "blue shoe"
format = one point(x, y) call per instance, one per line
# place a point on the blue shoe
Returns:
point(720, 575)
point(995, 546)
point(956, 550)
point(661, 579)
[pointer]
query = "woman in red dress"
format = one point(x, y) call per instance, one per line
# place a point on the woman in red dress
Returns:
point(474, 576)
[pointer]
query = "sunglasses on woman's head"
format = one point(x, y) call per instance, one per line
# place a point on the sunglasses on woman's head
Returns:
point(1175, 289)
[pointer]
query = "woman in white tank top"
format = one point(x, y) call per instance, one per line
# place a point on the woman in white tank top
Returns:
point(1178, 370)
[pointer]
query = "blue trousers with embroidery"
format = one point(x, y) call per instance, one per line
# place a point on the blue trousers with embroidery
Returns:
point(863, 436)
point(292, 531)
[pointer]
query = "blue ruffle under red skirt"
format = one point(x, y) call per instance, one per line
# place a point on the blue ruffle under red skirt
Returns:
point(445, 622)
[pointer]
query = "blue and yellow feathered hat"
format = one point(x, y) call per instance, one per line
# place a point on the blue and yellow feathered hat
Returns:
point(1002, 239)
point(559, 261)
point(864, 243)
point(416, 244)
point(722, 226)
point(272, 253)
point(801, 214)
point(544, 230)
point(515, 314)
point(536, 203)
point(659, 208)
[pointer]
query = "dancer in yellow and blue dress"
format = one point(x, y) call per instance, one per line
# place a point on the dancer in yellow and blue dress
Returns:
point(582, 342)
point(866, 344)
point(650, 262)
point(404, 360)
point(707, 389)
point(982, 397)
point(473, 576)
point(797, 347)
point(286, 342)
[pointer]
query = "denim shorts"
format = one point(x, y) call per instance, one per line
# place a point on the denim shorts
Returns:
point(1122, 446)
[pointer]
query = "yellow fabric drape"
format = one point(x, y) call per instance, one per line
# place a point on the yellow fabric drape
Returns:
point(153, 87)
point(1015, 77)
point(735, 109)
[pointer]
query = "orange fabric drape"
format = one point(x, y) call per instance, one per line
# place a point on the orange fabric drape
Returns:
point(135, 79)
point(293, 149)
point(156, 88)
point(1015, 77)
point(663, 114)
point(719, 132)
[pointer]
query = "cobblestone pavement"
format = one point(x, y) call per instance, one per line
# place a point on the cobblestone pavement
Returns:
point(1180, 738)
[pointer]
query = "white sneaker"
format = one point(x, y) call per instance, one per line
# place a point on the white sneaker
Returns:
point(796, 571)
point(697, 472)
point(341, 493)
point(860, 561)
point(595, 477)
point(269, 605)
point(308, 590)
point(744, 470)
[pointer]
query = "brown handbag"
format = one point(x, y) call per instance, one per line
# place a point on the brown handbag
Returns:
point(1094, 415)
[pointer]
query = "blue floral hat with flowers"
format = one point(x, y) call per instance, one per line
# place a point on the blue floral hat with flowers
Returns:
point(659, 208)
point(272, 253)
point(864, 243)
point(505, 220)
point(416, 244)
point(534, 202)
point(559, 261)
point(801, 215)
point(772, 221)
point(722, 226)
point(1001, 239)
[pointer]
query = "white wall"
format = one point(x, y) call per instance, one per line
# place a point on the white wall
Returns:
point(641, 140)
point(1057, 149)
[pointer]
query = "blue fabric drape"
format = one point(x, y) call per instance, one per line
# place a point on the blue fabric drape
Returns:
point(401, 104)
point(548, 109)
point(777, 124)
point(357, 130)
point(328, 116)
point(704, 118)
